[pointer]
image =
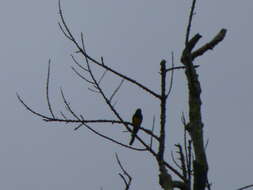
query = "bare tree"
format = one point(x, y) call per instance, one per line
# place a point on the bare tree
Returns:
point(191, 171)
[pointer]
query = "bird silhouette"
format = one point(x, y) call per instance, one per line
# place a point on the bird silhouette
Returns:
point(136, 121)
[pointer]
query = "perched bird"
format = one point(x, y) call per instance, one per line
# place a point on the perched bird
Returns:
point(136, 121)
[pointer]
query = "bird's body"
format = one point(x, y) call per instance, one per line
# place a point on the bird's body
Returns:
point(136, 121)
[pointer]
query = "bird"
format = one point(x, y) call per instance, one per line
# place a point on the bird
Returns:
point(136, 121)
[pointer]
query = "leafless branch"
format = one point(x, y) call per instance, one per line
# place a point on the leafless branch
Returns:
point(111, 139)
point(210, 45)
point(79, 120)
point(188, 30)
point(82, 39)
point(245, 187)
point(125, 176)
point(102, 60)
point(102, 76)
point(66, 31)
point(187, 156)
point(179, 67)
point(102, 121)
point(174, 170)
point(116, 90)
point(161, 147)
point(171, 75)
point(186, 55)
point(78, 64)
point(88, 58)
point(81, 76)
point(67, 105)
point(63, 115)
point(182, 160)
point(47, 90)
point(189, 161)
point(30, 109)
point(152, 131)
point(118, 116)
point(174, 160)
point(107, 101)
point(63, 31)
point(93, 90)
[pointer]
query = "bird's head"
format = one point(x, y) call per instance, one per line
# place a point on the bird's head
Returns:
point(138, 111)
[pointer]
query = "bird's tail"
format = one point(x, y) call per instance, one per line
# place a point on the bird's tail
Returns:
point(132, 139)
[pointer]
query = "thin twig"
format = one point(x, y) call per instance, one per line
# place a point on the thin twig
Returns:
point(82, 40)
point(116, 90)
point(92, 90)
point(153, 128)
point(188, 30)
point(68, 105)
point(182, 159)
point(171, 75)
point(102, 60)
point(63, 31)
point(69, 35)
point(78, 64)
point(102, 76)
point(174, 160)
point(179, 67)
point(185, 142)
point(30, 109)
point(125, 173)
point(245, 187)
point(81, 76)
point(174, 170)
point(62, 114)
point(47, 90)
point(85, 121)
point(111, 139)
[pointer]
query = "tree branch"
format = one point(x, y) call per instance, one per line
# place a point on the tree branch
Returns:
point(128, 179)
point(210, 45)
point(66, 31)
point(188, 30)
point(245, 187)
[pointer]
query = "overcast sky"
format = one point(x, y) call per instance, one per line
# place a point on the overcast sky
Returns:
point(133, 37)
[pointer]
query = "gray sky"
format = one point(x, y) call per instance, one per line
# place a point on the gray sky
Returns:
point(132, 36)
